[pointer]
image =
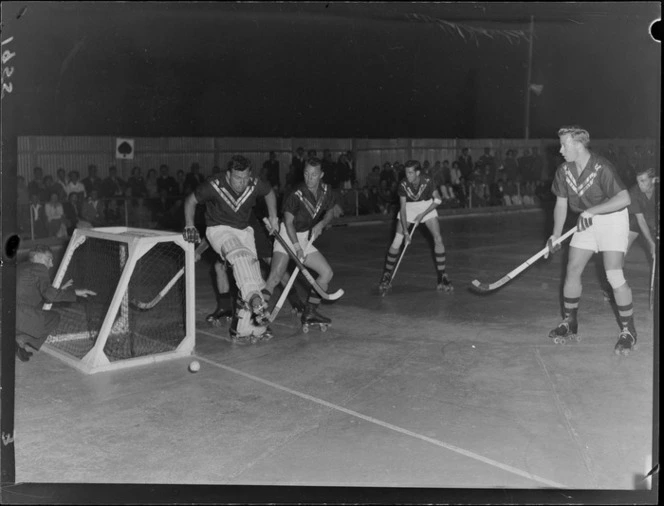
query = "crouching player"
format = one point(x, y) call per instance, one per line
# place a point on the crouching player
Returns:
point(229, 198)
point(590, 185)
point(419, 200)
point(307, 211)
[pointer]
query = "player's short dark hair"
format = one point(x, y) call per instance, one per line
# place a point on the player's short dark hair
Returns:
point(39, 249)
point(313, 162)
point(577, 134)
point(414, 164)
point(645, 170)
point(239, 163)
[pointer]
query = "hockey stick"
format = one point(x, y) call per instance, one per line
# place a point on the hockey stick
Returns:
point(287, 288)
point(394, 272)
point(327, 296)
point(149, 305)
point(652, 284)
point(478, 287)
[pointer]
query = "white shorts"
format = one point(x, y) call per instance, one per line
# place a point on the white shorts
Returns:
point(609, 232)
point(302, 238)
point(415, 208)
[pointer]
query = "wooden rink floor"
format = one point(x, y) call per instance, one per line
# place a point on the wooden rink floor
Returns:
point(416, 389)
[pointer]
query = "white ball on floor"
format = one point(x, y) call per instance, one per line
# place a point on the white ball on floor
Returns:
point(194, 366)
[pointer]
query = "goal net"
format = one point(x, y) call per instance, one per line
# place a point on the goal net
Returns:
point(143, 310)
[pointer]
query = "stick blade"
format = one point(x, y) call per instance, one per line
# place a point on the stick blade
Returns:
point(481, 288)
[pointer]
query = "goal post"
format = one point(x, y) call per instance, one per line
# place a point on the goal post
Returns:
point(144, 310)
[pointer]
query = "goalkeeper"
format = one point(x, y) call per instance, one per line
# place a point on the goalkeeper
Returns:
point(229, 198)
point(33, 289)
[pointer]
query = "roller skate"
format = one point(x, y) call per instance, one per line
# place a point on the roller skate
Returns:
point(565, 331)
point(259, 310)
point(626, 341)
point(444, 284)
point(220, 314)
point(311, 317)
point(385, 284)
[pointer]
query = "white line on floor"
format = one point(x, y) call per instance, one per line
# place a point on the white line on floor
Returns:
point(395, 428)
point(560, 406)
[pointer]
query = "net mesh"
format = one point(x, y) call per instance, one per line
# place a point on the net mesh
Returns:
point(144, 323)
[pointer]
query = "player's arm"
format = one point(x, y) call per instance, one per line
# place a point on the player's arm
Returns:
point(271, 203)
point(289, 223)
point(619, 201)
point(190, 232)
point(402, 216)
point(645, 230)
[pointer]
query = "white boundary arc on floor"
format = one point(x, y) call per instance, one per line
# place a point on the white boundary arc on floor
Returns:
point(401, 430)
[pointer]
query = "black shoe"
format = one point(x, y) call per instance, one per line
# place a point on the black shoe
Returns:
point(23, 354)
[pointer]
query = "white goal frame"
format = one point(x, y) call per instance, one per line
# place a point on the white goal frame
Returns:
point(138, 241)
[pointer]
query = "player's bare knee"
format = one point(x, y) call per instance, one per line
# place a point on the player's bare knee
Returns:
point(616, 279)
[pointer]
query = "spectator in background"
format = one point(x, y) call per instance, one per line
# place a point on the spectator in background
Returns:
point(455, 174)
point(387, 175)
point(345, 172)
point(72, 212)
point(466, 163)
point(194, 177)
point(312, 154)
point(23, 206)
point(525, 166)
point(92, 182)
point(61, 184)
point(461, 192)
point(92, 210)
point(529, 194)
point(140, 215)
point(37, 217)
point(183, 188)
point(297, 165)
point(166, 182)
point(112, 186)
point(538, 168)
point(36, 186)
point(55, 215)
point(330, 174)
point(49, 187)
point(367, 202)
point(373, 178)
point(509, 167)
point(487, 159)
point(151, 184)
point(399, 171)
point(75, 186)
point(136, 184)
point(446, 172)
point(426, 168)
point(271, 170)
point(112, 214)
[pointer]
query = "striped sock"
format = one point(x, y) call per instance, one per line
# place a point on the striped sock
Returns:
point(391, 261)
point(626, 314)
point(440, 264)
point(571, 307)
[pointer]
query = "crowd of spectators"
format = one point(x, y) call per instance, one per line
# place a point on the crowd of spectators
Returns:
point(52, 206)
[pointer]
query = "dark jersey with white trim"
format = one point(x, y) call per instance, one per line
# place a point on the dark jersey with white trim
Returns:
point(223, 206)
point(597, 183)
point(417, 194)
point(641, 204)
point(308, 209)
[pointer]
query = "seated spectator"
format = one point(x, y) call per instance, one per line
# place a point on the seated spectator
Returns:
point(61, 184)
point(164, 210)
point(368, 201)
point(529, 194)
point(92, 210)
point(387, 174)
point(22, 207)
point(166, 182)
point(345, 172)
point(112, 214)
point(47, 188)
point(461, 191)
point(75, 186)
point(182, 184)
point(55, 223)
point(151, 184)
point(112, 186)
point(270, 170)
point(194, 177)
point(72, 212)
point(373, 179)
point(140, 215)
point(92, 182)
point(38, 228)
point(36, 186)
point(497, 194)
point(136, 184)
point(480, 194)
point(385, 197)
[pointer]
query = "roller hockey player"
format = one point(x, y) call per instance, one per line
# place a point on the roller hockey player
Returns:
point(590, 185)
point(229, 198)
point(419, 199)
point(307, 211)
